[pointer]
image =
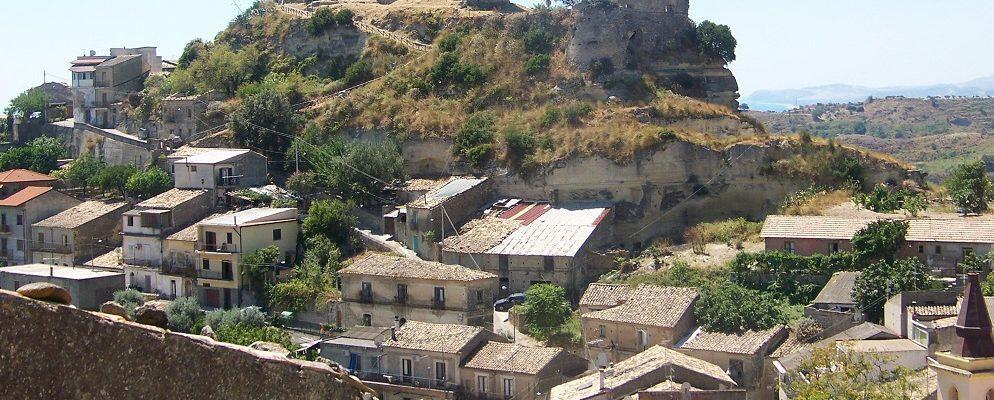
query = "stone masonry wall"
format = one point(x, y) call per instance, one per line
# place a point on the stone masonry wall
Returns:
point(49, 351)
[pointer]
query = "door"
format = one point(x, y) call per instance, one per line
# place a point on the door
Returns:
point(226, 273)
point(211, 298)
point(172, 288)
point(406, 369)
point(210, 238)
point(148, 284)
point(355, 362)
point(227, 298)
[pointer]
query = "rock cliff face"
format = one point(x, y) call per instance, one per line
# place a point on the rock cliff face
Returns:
point(50, 351)
point(650, 35)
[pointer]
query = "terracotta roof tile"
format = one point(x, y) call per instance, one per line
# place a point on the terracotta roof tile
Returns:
point(172, 198)
point(955, 230)
point(379, 264)
point(24, 175)
point(441, 338)
point(838, 290)
point(24, 195)
point(509, 357)
point(934, 310)
point(749, 342)
point(605, 295)
point(652, 306)
point(81, 214)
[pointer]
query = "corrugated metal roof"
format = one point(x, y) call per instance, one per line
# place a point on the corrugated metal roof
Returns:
point(453, 187)
point(557, 232)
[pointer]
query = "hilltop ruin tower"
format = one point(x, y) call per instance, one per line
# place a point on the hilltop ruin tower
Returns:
point(654, 36)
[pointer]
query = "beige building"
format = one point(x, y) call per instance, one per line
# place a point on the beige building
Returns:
point(422, 360)
point(741, 355)
point(431, 217)
point(182, 117)
point(219, 169)
point(78, 234)
point(643, 371)
point(507, 370)
point(22, 209)
point(379, 289)
point(641, 317)
point(966, 372)
point(525, 243)
point(222, 242)
point(100, 82)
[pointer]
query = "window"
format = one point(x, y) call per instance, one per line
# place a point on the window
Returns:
point(735, 369)
point(189, 113)
point(206, 264)
point(643, 339)
point(788, 247)
point(193, 168)
point(41, 237)
point(20, 245)
point(938, 249)
point(440, 294)
point(548, 264)
point(921, 249)
point(229, 238)
point(374, 363)
point(479, 297)
point(277, 234)
point(834, 248)
point(401, 293)
point(440, 371)
point(20, 219)
point(508, 387)
point(967, 251)
point(406, 368)
point(601, 331)
point(131, 220)
point(481, 384)
point(367, 320)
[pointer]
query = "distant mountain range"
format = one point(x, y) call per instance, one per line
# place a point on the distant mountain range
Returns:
point(775, 100)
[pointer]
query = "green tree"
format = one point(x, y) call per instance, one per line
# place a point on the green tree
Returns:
point(255, 267)
point(264, 121)
point(193, 50)
point(332, 219)
point(716, 41)
point(114, 177)
point(728, 307)
point(357, 170)
point(148, 183)
point(546, 309)
point(294, 295)
point(40, 155)
point(883, 279)
point(78, 173)
point(834, 373)
point(183, 313)
point(970, 187)
point(880, 240)
point(225, 70)
point(28, 102)
point(474, 139)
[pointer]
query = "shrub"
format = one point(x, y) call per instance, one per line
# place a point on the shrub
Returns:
point(883, 279)
point(883, 199)
point(474, 139)
point(248, 316)
point(451, 40)
point(331, 219)
point(344, 17)
point(551, 116)
point(360, 71)
point(537, 41)
point(879, 240)
point(148, 183)
point(293, 295)
point(520, 144)
point(545, 309)
point(449, 70)
point(114, 177)
point(716, 41)
point(537, 64)
point(733, 230)
point(130, 299)
point(727, 307)
point(264, 120)
point(245, 335)
point(574, 113)
point(182, 313)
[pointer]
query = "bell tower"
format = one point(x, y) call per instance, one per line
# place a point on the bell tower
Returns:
point(966, 372)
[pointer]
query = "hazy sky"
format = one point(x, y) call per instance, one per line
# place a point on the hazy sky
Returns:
point(782, 43)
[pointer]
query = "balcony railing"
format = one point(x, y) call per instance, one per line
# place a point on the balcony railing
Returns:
point(215, 275)
point(429, 383)
point(400, 300)
point(217, 247)
point(228, 180)
point(52, 248)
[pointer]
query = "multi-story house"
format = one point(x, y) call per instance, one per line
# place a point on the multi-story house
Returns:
point(422, 360)
point(22, 209)
point(144, 231)
point(742, 355)
point(12, 181)
point(512, 371)
point(182, 117)
point(101, 82)
point(219, 169)
point(359, 349)
point(525, 243)
point(378, 289)
point(642, 317)
point(425, 220)
point(222, 241)
point(77, 234)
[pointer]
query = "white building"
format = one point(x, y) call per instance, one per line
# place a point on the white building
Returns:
point(219, 169)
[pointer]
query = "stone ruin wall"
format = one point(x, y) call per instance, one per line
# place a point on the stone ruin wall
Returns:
point(50, 351)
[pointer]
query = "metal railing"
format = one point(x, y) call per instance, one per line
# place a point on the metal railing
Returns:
point(52, 248)
point(405, 380)
point(217, 247)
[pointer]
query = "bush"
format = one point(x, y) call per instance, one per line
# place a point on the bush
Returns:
point(148, 183)
point(40, 155)
point(264, 121)
point(359, 72)
point(331, 219)
point(450, 42)
point(183, 313)
point(325, 18)
point(537, 41)
point(114, 177)
point(970, 188)
point(344, 17)
point(449, 70)
point(248, 316)
point(727, 307)
point(245, 335)
point(293, 295)
point(883, 279)
point(130, 299)
point(733, 230)
point(880, 240)
point(520, 144)
point(884, 200)
point(574, 113)
point(537, 64)
point(545, 309)
point(474, 139)
point(551, 116)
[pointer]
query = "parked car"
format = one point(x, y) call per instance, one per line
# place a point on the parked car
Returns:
point(509, 301)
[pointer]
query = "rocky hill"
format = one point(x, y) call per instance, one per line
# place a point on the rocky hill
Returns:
point(551, 103)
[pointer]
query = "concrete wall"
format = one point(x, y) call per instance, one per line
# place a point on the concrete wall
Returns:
point(251, 168)
point(461, 301)
point(113, 149)
point(895, 315)
point(38, 336)
point(33, 211)
point(86, 293)
point(621, 338)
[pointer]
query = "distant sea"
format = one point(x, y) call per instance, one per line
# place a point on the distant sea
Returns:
point(772, 107)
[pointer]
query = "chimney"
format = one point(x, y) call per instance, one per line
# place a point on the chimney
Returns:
point(601, 374)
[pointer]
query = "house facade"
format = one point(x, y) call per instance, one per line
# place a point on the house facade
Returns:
point(88, 287)
point(182, 117)
point(507, 370)
point(425, 220)
point(99, 83)
point(78, 234)
point(359, 349)
point(220, 169)
point(742, 355)
point(379, 289)
point(22, 209)
point(222, 242)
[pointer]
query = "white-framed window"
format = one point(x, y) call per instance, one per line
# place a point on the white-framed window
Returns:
point(507, 386)
point(406, 368)
point(441, 372)
point(788, 247)
point(481, 384)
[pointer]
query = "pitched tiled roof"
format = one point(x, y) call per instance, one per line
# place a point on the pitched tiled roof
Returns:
point(441, 338)
point(956, 230)
point(838, 290)
point(24, 175)
point(934, 310)
point(379, 264)
point(480, 235)
point(652, 306)
point(81, 214)
point(172, 198)
point(605, 295)
point(24, 195)
point(654, 359)
point(748, 342)
point(509, 357)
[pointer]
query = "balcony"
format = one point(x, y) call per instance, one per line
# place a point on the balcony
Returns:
point(365, 296)
point(401, 300)
point(215, 275)
point(413, 381)
point(52, 248)
point(228, 248)
point(5, 229)
point(438, 304)
point(228, 180)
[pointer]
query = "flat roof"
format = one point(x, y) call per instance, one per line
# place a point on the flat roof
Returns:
point(253, 216)
point(58, 271)
point(213, 157)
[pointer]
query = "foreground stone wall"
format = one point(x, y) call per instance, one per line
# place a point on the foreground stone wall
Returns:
point(49, 351)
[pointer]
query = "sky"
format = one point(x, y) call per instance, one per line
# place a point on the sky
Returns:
point(782, 43)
